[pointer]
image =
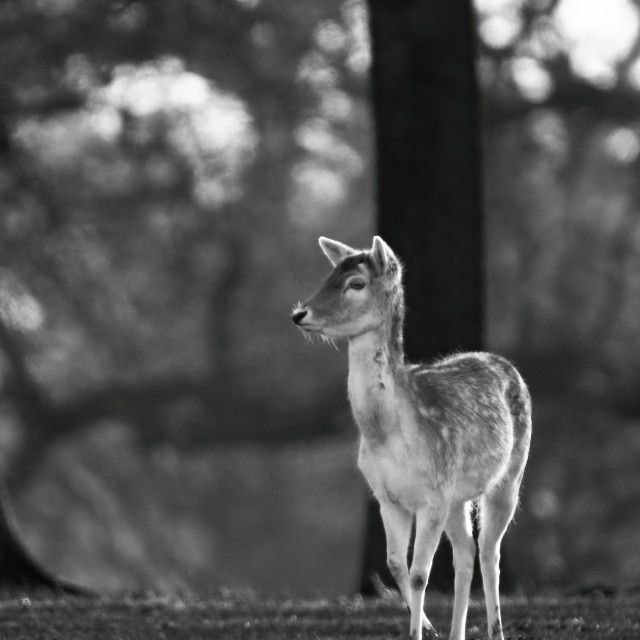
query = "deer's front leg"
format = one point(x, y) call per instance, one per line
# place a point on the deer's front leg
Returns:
point(429, 526)
point(397, 528)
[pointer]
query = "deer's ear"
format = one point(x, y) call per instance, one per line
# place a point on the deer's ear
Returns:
point(384, 259)
point(335, 251)
point(380, 254)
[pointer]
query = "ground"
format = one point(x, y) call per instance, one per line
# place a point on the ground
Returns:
point(230, 616)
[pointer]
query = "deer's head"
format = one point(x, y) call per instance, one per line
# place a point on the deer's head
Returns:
point(361, 294)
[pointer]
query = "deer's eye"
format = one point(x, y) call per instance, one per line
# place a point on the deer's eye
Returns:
point(356, 284)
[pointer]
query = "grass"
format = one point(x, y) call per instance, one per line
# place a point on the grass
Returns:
point(248, 617)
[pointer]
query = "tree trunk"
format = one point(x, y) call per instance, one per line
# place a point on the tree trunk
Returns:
point(18, 569)
point(425, 101)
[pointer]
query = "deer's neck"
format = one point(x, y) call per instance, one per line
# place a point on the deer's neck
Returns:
point(375, 359)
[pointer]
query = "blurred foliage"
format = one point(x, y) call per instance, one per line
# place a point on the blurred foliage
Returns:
point(165, 169)
point(156, 160)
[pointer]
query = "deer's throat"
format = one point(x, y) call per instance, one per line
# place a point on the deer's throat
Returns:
point(373, 385)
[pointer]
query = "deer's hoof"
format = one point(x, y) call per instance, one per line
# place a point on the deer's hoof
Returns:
point(429, 634)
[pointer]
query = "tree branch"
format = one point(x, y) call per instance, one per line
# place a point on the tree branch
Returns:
point(621, 104)
point(31, 403)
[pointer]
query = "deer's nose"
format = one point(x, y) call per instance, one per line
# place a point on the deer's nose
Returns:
point(298, 315)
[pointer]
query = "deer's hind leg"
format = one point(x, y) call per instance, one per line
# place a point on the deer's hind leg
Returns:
point(459, 531)
point(496, 511)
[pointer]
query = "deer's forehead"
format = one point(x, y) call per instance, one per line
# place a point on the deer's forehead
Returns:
point(353, 265)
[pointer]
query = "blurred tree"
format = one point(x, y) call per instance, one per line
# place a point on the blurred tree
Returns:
point(426, 112)
point(146, 154)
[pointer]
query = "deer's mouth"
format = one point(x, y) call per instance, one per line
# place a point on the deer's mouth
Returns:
point(310, 325)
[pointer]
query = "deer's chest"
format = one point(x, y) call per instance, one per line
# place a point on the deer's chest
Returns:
point(394, 474)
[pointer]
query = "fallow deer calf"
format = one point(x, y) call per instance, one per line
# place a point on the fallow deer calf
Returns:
point(434, 438)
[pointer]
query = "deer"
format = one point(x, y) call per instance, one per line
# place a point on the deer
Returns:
point(436, 439)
